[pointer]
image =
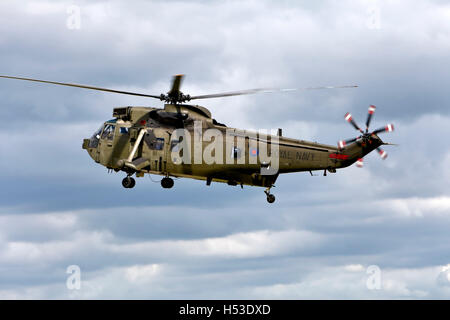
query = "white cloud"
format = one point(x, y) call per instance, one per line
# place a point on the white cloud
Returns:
point(354, 267)
point(242, 245)
point(418, 207)
point(43, 7)
point(342, 283)
point(143, 273)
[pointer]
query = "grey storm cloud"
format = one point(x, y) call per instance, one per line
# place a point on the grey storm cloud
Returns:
point(58, 208)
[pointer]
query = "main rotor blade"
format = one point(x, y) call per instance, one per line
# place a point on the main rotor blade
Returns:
point(176, 83)
point(83, 87)
point(263, 90)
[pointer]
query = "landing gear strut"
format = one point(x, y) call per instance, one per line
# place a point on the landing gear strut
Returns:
point(167, 183)
point(128, 182)
point(270, 197)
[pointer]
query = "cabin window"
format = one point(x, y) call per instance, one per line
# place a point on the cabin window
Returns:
point(159, 144)
point(123, 130)
point(175, 145)
point(235, 153)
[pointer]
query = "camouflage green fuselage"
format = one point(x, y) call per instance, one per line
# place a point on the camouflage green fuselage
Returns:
point(236, 161)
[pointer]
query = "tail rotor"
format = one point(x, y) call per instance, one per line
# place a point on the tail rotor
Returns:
point(365, 135)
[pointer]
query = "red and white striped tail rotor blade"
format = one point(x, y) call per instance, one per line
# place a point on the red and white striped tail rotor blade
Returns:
point(387, 128)
point(343, 143)
point(348, 117)
point(382, 153)
point(390, 127)
point(369, 116)
point(360, 163)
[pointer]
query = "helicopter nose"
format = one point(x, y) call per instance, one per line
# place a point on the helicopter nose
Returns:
point(85, 144)
point(91, 149)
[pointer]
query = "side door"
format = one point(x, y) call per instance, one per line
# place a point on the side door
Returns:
point(155, 149)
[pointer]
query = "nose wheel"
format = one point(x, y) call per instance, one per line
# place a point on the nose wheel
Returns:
point(128, 182)
point(270, 197)
point(167, 183)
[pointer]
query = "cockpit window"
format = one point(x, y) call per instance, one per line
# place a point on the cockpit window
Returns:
point(108, 132)
point(93, 141)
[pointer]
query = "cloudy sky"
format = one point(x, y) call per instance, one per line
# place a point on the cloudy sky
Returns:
point(377, 232)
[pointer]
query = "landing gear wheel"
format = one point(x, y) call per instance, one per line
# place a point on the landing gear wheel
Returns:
point(167, 183)
point(270, 198)
point(128, 182)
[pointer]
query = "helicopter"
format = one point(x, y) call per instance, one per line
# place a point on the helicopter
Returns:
point(182, 140)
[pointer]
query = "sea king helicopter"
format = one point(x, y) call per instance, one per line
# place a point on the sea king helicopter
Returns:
point(172, 142)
